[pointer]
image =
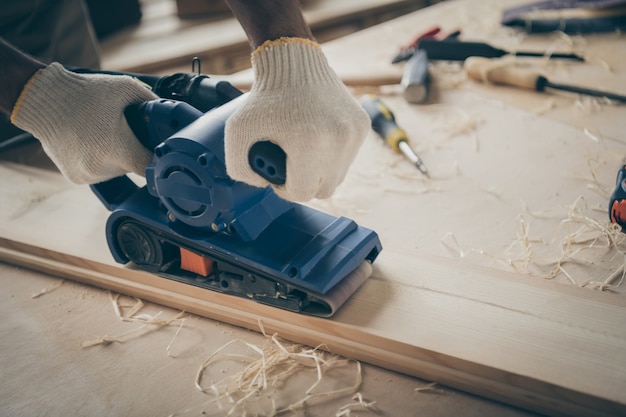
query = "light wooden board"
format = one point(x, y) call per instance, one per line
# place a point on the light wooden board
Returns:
point(151, 371)
point(498, 164)
point(163, 39)
point(545, 346)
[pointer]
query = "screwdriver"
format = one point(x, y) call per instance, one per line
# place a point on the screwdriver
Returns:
point(484, 69)
point(384, 123)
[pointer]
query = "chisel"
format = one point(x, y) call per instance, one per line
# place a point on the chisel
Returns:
point(484, 69)
point(384, 123)
point(454, 50)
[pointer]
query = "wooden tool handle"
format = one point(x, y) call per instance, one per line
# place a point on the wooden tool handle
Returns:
point(497, 72)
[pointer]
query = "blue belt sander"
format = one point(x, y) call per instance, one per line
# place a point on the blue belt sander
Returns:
point(194, 224)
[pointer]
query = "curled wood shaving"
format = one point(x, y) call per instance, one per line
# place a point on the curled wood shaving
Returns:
point(270, 367)
point(48, 289)
point(359, 404)
point(149, 323)
point(592, 135)
point(453, 121)
point(430, 388)
point(564, 42)
point(580, 233)
point(448, 74)
point(590, 104)
point(577, 235)
point(450, 241)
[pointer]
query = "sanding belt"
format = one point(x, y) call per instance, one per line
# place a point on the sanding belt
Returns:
point(340, 293)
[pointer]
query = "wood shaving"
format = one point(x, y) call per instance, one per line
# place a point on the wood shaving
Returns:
point(581, 242)
point(269, 368)
point(592, 135)
point(454, 121)
point(430, 388)
point(590, 104)
point(149, 323)
point(450, 241)
point(360, 404)
point(448, 74)
point(565, 42)
point(49, 289)
point(596, 183)
point(578, 234)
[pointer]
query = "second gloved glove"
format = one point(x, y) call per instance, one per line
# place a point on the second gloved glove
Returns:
point(79, 120)
point(301, 105)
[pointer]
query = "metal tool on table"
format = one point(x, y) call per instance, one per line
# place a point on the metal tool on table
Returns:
point(193, 224)
point(416, 80)
point(455, 50)
point(484, 69)
point(384, 123)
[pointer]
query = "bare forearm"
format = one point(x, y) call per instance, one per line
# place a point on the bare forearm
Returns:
point(16, 69)
point(270, 19)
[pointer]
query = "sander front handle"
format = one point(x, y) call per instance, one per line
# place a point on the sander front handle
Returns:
point(154, 121)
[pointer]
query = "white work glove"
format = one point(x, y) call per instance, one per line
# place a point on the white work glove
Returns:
point(298, 103)
point(79, 120)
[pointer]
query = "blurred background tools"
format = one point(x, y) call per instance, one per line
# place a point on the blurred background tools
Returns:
point(415, 80)
point(568, 16)
point(451, 49)
point(508, 73)
point(384, 123)
point(416, 77)
point(407, 52)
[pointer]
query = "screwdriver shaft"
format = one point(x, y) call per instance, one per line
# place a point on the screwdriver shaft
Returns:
point(586, 91)
point(407, 151)
point(384, 123)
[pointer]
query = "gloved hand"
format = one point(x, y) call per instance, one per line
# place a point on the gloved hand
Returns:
point(79, 120)
point(298, 103)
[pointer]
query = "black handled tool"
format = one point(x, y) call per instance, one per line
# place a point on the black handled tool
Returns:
point(455, 50)
point(483, 69)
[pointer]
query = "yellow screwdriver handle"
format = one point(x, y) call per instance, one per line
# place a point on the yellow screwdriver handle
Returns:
point(498, 72)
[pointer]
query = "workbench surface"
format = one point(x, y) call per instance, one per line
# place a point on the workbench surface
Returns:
point(47, 372)
point(513, 172)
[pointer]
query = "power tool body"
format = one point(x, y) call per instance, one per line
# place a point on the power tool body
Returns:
point(192, 223)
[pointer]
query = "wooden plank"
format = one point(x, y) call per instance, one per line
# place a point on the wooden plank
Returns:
point(42, 341)
point(564, 329)
point(498, 172)
point(473, 328)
